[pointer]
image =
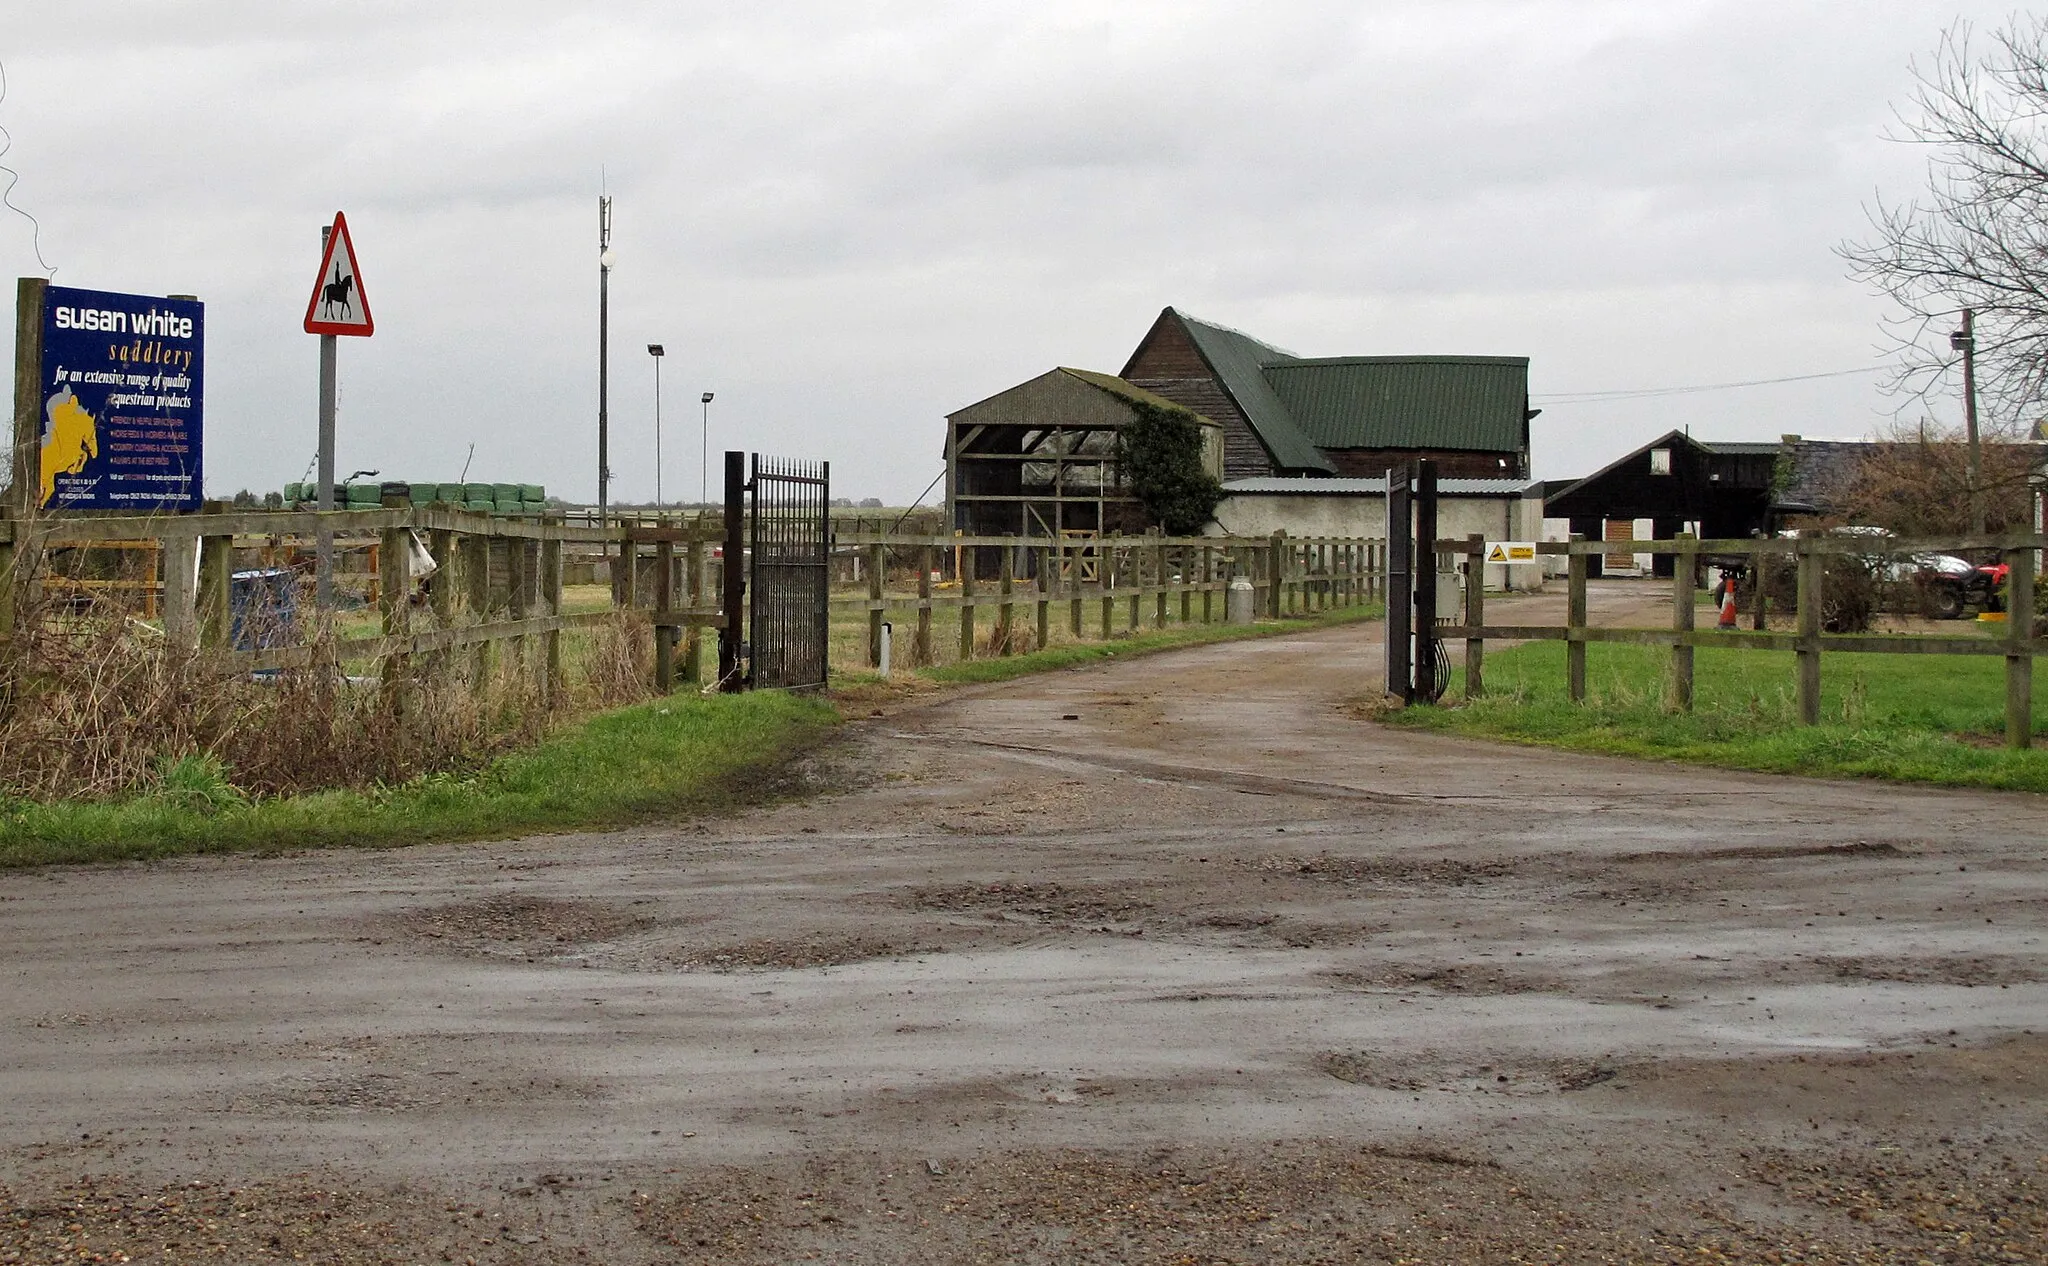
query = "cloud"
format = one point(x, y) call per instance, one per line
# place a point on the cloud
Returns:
point(849, 220)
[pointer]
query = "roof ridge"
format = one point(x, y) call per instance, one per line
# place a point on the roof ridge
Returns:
point(1231, 329)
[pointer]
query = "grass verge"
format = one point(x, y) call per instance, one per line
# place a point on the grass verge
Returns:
point(671, 755)
point(1908, 718)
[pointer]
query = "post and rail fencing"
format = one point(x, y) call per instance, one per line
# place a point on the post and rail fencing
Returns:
point(1030, 592)
point(1808, 640)
point(500, 583)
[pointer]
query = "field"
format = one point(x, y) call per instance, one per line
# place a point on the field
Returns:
point(1925, 718)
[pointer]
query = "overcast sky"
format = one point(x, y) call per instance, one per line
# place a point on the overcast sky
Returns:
point(851, 219)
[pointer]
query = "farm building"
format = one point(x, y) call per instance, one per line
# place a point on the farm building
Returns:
point(1720, 490)
point(1040, 458)
point(1350, 416)
point(1497, 509)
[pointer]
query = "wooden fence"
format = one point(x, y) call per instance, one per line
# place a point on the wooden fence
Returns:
point(1807, 640)
point(1121, 580)
point(499, 578)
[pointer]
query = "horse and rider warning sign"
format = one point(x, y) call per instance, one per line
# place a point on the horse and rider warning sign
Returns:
point(1511, 552)
point(338, 305)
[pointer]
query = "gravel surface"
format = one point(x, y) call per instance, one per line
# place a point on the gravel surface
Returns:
point(1217, 972)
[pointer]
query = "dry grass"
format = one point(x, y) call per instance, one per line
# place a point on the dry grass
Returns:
point(95, 705)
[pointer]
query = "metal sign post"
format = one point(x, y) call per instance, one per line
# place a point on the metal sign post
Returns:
point(338, 306)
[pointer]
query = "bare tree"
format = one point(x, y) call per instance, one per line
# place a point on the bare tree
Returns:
point(1916, 482)
point(1977, 236)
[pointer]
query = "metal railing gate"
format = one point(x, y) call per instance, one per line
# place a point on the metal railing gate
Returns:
point(790, 534)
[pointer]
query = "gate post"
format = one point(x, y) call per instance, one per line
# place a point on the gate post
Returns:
point(1811, 589)
point(664, 611)
point(1425, 581)
point(927, 556)
point(1475, 615)
point(734, 590)
point(877, 563)
point(1575, 622)
point(1400, 547)
point(2019, 649)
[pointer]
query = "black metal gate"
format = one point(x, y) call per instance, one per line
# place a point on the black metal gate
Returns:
point(790, 532)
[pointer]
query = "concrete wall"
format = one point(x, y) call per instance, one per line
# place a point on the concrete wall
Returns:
point(1365, 514)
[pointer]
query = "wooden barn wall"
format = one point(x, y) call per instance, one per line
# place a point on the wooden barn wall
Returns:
point(1168, 364)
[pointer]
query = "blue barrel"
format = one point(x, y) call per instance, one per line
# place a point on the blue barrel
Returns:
point(263, 608)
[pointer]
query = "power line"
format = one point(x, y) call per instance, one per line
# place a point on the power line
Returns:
point(1644, 393)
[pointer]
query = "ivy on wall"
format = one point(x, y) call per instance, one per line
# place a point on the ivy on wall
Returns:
point(1160, 456)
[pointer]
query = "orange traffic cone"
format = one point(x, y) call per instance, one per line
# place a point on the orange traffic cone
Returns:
point(1727, 603)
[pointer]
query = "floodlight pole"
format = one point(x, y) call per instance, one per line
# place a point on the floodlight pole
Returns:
point(704, 455)
point(323, 537)
point(1965, 341)
point(604, 351)
point(655, 350)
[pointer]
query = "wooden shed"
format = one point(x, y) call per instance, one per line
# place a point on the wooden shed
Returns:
point(1039, 460)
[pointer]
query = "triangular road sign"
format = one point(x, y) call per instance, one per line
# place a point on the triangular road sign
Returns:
point(338, 305)
point(1497, 554)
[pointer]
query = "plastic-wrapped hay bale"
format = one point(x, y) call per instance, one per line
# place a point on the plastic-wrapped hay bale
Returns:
point(504, 492)
point(485, 506)
point(533, 494)
point(425, 494)
point(364, 495)
point(510, 507)
point(294, 493)
point(453, 494)
point(476, 492)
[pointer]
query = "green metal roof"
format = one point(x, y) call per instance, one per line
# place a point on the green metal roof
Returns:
point(1454, 402)
point(1239, 360)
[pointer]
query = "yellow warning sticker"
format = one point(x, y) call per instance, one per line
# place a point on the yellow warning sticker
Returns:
point(1511, 552)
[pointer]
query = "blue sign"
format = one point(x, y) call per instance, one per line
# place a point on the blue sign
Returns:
point(121, 395)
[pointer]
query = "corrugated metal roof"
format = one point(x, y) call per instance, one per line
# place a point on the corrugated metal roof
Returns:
point(1744, 448)
point(1314, 486)
point(1238, 359)
point(1125, 391)
point(1444, 402)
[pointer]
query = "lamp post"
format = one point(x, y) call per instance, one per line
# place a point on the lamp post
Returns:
point(1965, 341)
point(704, 455)
point(604, 350)
point(654, 350)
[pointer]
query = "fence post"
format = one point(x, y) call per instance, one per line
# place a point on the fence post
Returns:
point(216, 563)
point(693, 638)
point(7, 590)
point(1277, 570)
point(877, 555)
point(181, 575)
point(550, 551)
point(1005, 612)
point(1763, 558)
point(517, 581)
point(476, 577)
point(1159, 582)
point(1810, 588)
point(966, 567)
point(2019, 653)
point(1134, 558)
point(1070, 573)
point(441, 588)
point(1682, 612)
point(1105, 575)
point(628, 584)
point(1184, 557)
point(1575, 623)
point(926, 557)
point(1043, 554)
point(394, 591)
point(1208, 584)
point(1475, 615)
point(664, 610)
point(732, 588)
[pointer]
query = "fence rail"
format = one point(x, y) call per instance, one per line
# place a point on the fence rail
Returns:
point(501, 580)
point(1808, 642)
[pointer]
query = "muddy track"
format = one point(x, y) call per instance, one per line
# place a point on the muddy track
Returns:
point(1216, 968)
